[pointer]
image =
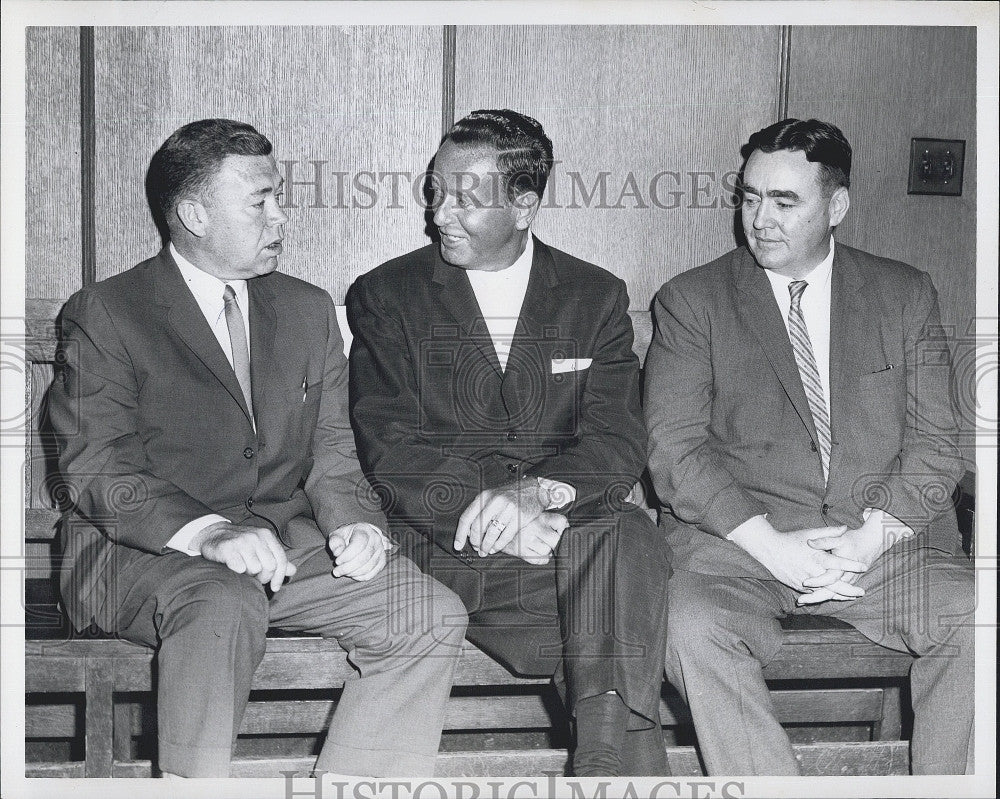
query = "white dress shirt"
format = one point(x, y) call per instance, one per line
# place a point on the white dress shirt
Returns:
point(815, 304)
point(500, 296)
point(208, 290)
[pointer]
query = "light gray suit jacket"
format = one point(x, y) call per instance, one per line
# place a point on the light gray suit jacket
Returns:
point(153, 430)
point(731, 434)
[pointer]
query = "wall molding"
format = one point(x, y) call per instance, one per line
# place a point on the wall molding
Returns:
point(88, 149)
point(448, 79)
point(784, 69)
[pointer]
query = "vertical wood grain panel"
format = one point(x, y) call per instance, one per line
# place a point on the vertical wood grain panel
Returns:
point(360, 100)
point(882, 87)
point(52, 162)
point(631, 100)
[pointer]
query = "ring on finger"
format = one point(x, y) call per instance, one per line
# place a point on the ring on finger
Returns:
point(500, 527)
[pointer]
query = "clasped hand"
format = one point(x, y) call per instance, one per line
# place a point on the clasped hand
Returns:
point(512, 520)
point(359, 551)
point(794, 561)
point(863, 545)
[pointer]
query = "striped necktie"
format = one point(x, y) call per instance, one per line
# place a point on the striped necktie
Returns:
point(238, 344)
point(798, 334)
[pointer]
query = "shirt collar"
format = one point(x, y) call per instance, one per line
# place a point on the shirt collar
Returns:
point(819, 277)
point(205, 287)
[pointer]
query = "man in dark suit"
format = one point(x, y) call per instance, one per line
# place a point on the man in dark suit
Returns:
point(805, 452)
point(495, 396)
point(205, 446)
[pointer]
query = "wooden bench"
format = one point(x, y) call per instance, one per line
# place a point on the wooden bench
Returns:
point(89, 708)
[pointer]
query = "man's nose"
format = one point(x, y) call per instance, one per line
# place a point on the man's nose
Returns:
point(277, 217)
point(443, 212)
point(763, 218)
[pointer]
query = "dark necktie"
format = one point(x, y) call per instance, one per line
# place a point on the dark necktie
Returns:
point(806, 360)
point(238, 343)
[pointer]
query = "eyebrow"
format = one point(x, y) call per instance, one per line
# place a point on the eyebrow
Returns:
point(268, 189)
point(774, 193)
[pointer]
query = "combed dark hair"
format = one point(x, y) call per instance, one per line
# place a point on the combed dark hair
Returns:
point(524, 152)
point(821, 142)
point(185, 161)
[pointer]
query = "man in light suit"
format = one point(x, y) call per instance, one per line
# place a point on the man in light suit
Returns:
point(805, 451)
point(495, 396)
point(201, 413)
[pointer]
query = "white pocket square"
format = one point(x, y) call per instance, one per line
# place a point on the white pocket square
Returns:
point(563, 365)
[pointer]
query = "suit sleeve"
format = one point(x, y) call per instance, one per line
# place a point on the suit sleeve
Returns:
point(608, 452)
point(678, 405)
point(336, 488)
point(929, 464)
point(93, 409)
point(419, 484)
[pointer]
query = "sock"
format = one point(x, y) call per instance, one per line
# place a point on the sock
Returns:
point(600, 729)
point(643, 754)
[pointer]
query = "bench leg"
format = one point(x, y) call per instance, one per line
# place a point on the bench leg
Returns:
point(891, 725)
point(98, 717)
point(123, 716)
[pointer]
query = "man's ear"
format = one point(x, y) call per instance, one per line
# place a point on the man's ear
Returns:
point(525, 207)
point(840, 201)
point(193, 216)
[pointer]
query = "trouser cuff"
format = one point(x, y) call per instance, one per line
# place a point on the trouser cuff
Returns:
point(194, 761)
point(350, 761)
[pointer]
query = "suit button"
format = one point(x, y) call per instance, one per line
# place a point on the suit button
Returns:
point(512, 468)
point(248, 453)
point(250, 502)
point(812, 445)
point(826, 508)
point(512, 436)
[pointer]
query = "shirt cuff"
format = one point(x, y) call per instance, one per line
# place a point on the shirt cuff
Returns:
point(559, 494)
point(890, 522)
point(182, 538)
point(753, 521)
point(387, 544)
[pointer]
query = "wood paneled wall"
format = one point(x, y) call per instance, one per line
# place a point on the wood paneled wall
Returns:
point(331, 100)
point(882, 87)
point(660, 112)
point(52, 247)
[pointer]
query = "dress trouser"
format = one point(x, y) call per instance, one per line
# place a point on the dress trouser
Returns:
point(597, 610)
point(721, 631)
point(402, 631)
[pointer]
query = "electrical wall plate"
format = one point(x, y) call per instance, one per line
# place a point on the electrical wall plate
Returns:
point(936, 166)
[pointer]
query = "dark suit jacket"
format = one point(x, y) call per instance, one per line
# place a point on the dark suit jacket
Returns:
point(437, 421)
point(154, 432)
point(731, 434)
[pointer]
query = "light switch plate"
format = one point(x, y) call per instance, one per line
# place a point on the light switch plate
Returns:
point(936, 166)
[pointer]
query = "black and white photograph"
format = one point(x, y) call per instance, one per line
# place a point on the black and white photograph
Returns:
point(499, 399)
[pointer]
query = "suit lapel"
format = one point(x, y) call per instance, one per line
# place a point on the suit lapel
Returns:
point(459, 301)
point(760, 313)
point(526, 364)
point(264, 361)
point(850, 337)
point(191, 327)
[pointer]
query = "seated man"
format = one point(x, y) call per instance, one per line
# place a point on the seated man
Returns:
point(495, 396)
point(798, 442)
point(201, 414)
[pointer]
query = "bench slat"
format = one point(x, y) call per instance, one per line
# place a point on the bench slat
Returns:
point(878, 758)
